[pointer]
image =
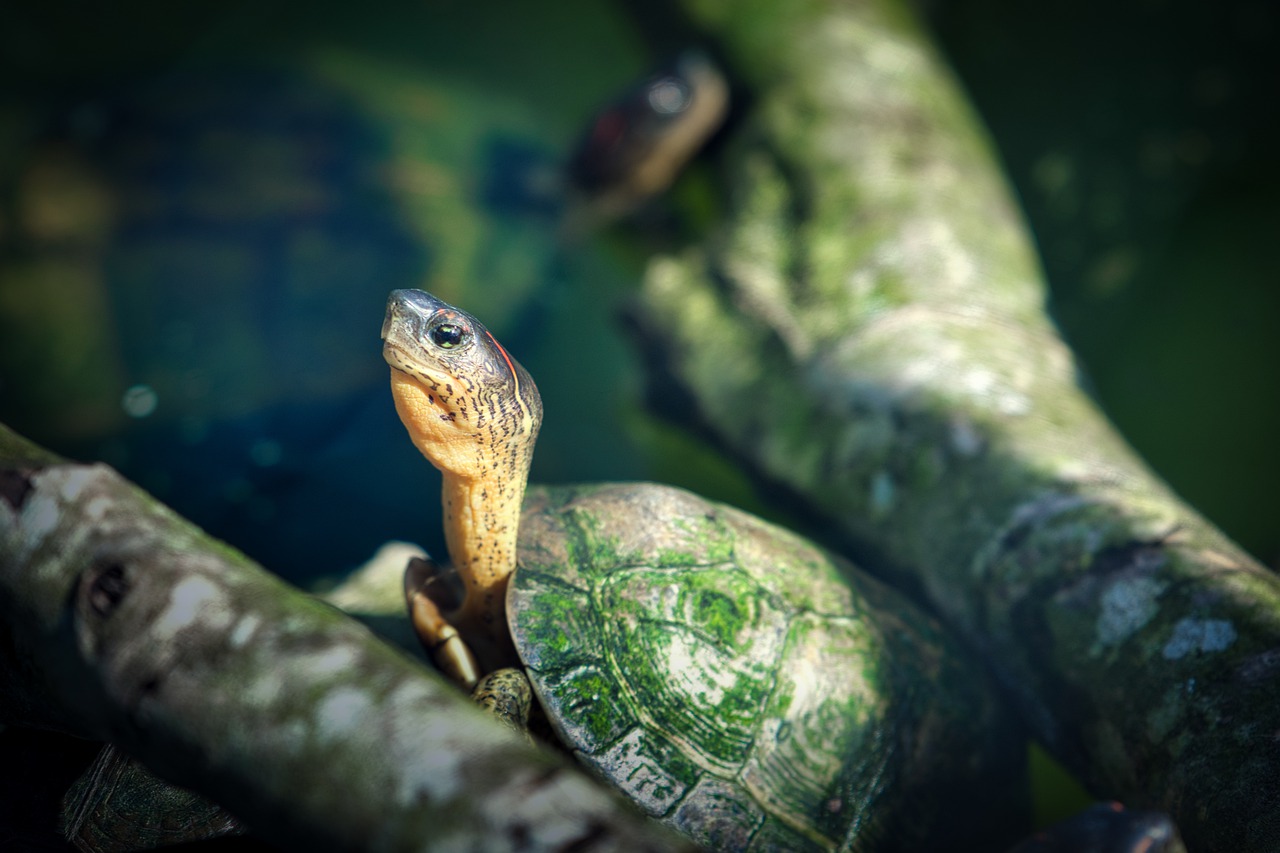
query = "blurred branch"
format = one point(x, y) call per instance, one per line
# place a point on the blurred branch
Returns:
point(867, 330)
point(123, 622)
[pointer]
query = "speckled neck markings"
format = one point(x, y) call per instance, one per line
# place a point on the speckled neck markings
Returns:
point(474, 412)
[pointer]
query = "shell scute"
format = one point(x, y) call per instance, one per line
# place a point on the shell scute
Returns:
point(792, 567)
point(697, 650)
point(821, 718)
point(549, 623)
point(775, 835)
point(718, 815)
point(647, 768)
point(618, 526)
point(585, 706)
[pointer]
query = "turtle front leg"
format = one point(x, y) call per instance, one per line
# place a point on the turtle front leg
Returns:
point(505, 693)
point(428, 596)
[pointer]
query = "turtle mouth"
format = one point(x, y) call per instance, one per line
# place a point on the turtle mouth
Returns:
point(395, 356)
point(400, 349)
point(403, 361)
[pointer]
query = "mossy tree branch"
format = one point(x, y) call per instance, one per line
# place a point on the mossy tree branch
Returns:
point(123, 622)
point(867, 329)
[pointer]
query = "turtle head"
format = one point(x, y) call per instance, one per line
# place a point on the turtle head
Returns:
point(637, 145)
point(469, 407)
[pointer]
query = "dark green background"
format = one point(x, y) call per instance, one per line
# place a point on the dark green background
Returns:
point(247, 169)
point(212, 200)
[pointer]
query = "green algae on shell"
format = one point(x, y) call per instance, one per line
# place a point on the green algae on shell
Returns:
point(748, 688)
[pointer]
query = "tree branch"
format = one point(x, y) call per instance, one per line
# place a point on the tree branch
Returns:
point(120, 621)
point(867, 330)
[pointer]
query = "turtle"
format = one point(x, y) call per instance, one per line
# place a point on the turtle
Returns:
point(474, 412)
point(727, 691)
point(628, 153)
point(635, 146)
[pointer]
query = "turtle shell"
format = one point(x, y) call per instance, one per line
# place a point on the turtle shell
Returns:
point(723, 673)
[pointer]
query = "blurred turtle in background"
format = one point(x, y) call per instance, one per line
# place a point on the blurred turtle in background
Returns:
point(630, 152)
point(635, 147)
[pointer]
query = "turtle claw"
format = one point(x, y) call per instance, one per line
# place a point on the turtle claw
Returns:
point(427, 594)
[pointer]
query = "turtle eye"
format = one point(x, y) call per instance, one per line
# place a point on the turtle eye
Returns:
point(448, 335)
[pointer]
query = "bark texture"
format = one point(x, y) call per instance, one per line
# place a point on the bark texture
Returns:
point(867, 329)
point(122, 622)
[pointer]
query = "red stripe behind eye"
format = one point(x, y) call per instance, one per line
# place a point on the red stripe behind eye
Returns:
point(507, 358)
